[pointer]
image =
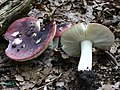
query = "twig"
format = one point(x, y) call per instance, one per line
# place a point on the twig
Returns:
point(50, 81)
point(113, 58)
point(117, 40)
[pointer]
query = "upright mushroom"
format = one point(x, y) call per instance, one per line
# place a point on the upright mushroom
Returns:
point(83, 37)
point(27, 39)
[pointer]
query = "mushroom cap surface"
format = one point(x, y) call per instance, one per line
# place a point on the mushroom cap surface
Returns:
point(27, 39)
point(100, 35)
point(61, 28)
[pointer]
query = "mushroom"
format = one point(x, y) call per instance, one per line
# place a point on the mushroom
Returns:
point(27, 39)
point(61, 28)
point(83, 37)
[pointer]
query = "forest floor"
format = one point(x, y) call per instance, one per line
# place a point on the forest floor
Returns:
point(54, 70)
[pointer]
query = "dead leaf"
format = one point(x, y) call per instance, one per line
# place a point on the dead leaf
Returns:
point(19, 78)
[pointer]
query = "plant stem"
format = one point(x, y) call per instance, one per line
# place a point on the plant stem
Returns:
point(85, 62)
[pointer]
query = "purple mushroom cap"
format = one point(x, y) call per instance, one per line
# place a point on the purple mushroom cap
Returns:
point(27, 39)
point(62, 28)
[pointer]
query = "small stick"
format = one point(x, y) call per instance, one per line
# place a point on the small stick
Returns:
point(113, 58)
point(50, 81)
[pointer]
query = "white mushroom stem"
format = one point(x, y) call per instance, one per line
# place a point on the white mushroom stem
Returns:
point(85, 62)
point(55, 42)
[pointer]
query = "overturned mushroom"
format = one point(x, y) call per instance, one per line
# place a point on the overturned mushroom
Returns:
point(83, 37)
point(27, 39)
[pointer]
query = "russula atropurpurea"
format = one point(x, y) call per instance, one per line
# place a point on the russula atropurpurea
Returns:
point(80, 38)
point(27, 39)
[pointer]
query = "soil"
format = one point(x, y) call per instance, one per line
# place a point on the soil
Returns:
point(53, 69)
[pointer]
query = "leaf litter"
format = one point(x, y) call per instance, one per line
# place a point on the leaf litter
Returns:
point(54, 70)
